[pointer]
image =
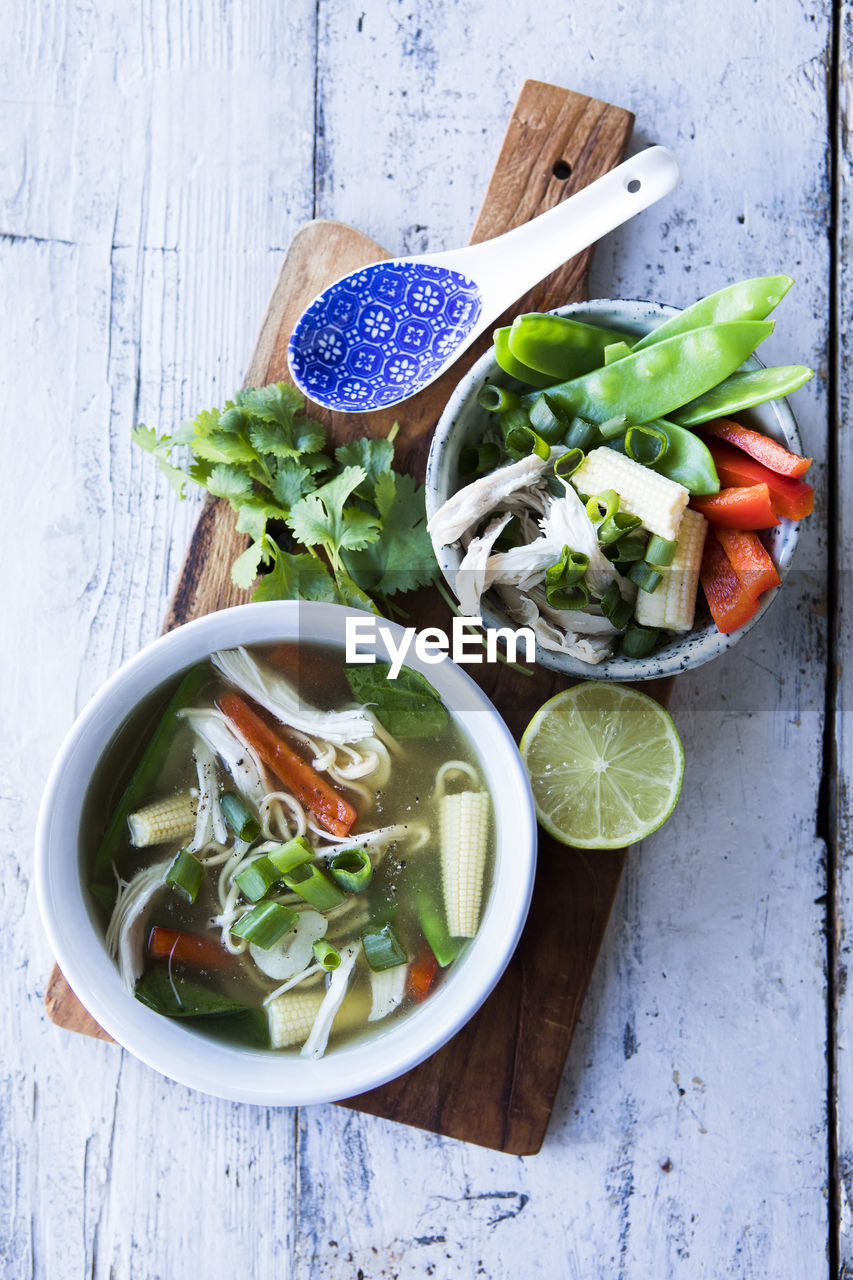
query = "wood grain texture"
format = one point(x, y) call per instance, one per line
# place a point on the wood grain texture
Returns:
point(154, 169)
point(480, 1088)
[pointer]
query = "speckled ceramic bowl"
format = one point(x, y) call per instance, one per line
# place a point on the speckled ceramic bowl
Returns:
point(463, 423)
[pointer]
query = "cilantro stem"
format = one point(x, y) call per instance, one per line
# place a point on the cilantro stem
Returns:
point(453, 607)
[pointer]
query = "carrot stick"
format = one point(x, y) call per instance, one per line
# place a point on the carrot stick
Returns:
point(190, 948)
point(422, 974)
point(330, 809)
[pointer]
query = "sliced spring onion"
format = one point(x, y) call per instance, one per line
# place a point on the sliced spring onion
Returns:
point(568, 463)
point(616, 526)
point(326, 955)
point(290, 855)
point(661, 551)
point(256, 880)
point(581, 434)
point(574, 597)
point(265, 924)
point(569, 569)
point(626, 550)
point(638, 641)
point(381, 948)
point(495, 399)
point(477, 459)
point(645, 575)
point(601, 506)
point(522, 441)
point(185, 875)
point(613, 426)
point(239, 816)
point(615, 609)
point(315, 887)
point(512, 418)
point(547, 419)
point(351, 869)
point(646, 445)
point(615, 351)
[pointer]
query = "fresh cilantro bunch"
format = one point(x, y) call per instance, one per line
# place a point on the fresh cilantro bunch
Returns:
point(347, 528)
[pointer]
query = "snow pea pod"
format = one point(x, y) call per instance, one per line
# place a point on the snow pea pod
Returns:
point(747, 300)
point(686, 460)
point(514, 367)
point(558, 346)
point(649, 384)
point(743, 391)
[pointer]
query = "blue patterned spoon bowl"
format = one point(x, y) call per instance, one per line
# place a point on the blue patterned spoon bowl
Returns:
point(383, 333)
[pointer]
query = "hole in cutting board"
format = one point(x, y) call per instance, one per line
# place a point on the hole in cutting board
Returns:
point(562, 170)
point(633, 186)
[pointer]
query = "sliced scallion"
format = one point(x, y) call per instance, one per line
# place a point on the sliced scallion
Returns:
point(646, 445)
point(239, 816)
point(581, 434)
point(185, 875)
point(626, 550)
point(638, 641)
point(524, 441)
point(569, 569)
point(315, 887)
point(601, 506)
point(290, 855)
point(351, 869)
point(477, 459)
point(265, 924)
point(381, 947)
point(546, 418)
point(613, 426)
point(616, 526)
point(661, 551)
point(614, 608)
point(568, 463)
point(256, 880)
point(574, 597)
point(326, 955)
point(495, 399)
point(645, 575)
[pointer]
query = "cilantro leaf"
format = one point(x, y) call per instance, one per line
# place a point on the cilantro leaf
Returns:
point(254, 512)
point(296, 577)
point(291, 482)
point(228, 481)
point(321, 519)
point(404, 559)
point(278, 425)
point(375, 457)
point(223, 446)
point(161, 451)
point(245, 568)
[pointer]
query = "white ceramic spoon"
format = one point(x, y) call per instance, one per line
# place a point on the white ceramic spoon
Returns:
point(385, 332)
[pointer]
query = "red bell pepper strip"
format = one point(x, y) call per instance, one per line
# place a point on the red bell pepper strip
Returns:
point(749, 558)
point(731, 603)
point(738, 508)
point(189, 948)
point(422, 974)
point(330, 809)
point(761, 448)
point(791, 498)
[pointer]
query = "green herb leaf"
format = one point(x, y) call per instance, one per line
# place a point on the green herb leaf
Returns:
point(280, 405)
point(291, 481)
point(245, 568)
point(254, 512)
point(321, 519)
point(223, 446)
point(228, 481)
point(375, 457)
point(408, 707)
point(160, 449)
point(404, 559)
point(296, 577)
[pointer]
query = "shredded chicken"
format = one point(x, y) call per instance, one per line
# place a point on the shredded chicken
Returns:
point(468, 506)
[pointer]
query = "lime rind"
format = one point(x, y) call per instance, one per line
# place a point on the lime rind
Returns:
point(605, 764)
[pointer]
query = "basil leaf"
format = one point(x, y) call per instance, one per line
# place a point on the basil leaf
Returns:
point(408, 707)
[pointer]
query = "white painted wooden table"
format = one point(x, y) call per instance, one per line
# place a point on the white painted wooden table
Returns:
point(156, 160)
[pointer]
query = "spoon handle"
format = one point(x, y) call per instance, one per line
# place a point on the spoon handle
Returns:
point(506, 267)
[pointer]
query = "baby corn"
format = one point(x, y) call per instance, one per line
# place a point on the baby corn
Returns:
point(658, 502)
point(292, 1016)
point(464, 823)
point(673, 602)
point(163, 821)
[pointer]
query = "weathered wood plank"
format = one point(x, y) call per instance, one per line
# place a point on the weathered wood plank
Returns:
point(198, 121)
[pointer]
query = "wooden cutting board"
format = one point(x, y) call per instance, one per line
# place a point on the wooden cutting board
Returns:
point(495, 1082)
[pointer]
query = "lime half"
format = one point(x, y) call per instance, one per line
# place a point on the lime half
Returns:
point(605, 763)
